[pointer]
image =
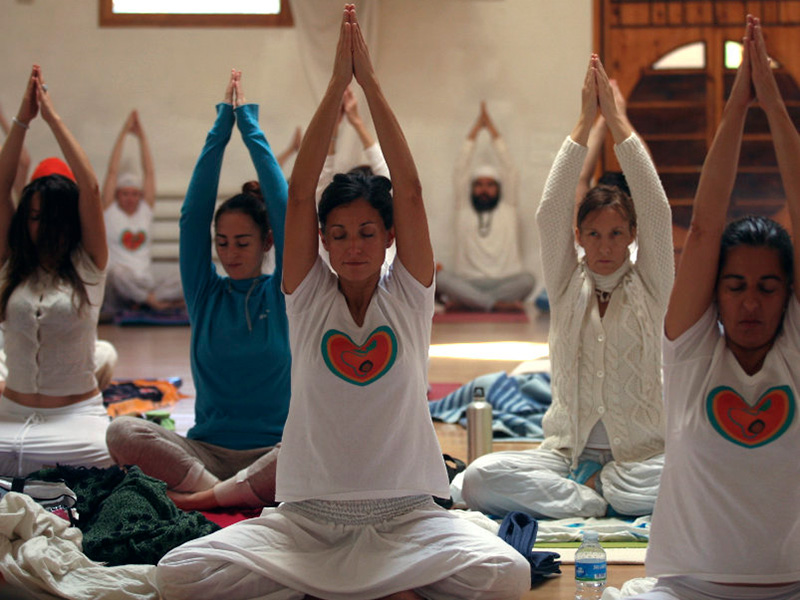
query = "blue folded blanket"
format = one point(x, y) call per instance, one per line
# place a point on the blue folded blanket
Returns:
point(519, 530)
point(518, 404)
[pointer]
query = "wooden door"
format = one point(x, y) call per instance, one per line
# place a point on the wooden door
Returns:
point(677, 110)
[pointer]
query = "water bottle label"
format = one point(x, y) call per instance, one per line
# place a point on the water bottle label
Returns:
point(585, 571)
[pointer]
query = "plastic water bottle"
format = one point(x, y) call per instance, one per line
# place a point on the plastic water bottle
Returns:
point(590, 568)
point(479, 426)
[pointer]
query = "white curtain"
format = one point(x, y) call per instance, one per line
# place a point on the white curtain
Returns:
point(317, 23)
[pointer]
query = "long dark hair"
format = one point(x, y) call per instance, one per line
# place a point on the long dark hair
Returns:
point(59, 235)
point(251, 203)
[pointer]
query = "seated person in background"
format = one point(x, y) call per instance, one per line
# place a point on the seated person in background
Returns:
point(24, 159)
point(731, 351)
point(53, 253)
point(488, 273)
point(604, 431)
point(128, 201)
point(240, 340)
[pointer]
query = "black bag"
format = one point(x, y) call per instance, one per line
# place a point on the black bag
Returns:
point(54, 496)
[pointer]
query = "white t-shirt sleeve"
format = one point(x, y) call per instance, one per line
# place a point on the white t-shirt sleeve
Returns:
point(316, 281)
point(399, 282)
point(699, 340)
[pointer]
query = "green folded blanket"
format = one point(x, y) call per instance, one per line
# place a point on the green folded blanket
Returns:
point(127, 517)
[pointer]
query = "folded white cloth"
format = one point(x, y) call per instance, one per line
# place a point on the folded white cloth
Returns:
point(42, 553)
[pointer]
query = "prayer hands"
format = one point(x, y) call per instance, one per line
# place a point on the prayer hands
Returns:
point(589, 100)
point(132, 124)
point(234, 93)
point(30, 102)
point(763, 78)
point(44, 100)
point(350, 106)
point(352, 54)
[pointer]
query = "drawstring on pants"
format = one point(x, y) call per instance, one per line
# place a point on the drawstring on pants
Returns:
point(34, 418)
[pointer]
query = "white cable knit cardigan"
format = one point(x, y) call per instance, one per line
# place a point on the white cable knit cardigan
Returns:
point(627, 356)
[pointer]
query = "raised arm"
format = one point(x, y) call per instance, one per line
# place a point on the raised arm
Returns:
point(24, 163)
point(302, 230)
point(695, 280)
point(10, 155)
point(555, 216)
point(197, 210)
point(461, 172)
point(784, 135)
point(329, 166)
point(597, 136)
point(146, 157)
point(410, 221)
point(90, 207)
point(110, 182)
point(655, 257)
point(270, 175)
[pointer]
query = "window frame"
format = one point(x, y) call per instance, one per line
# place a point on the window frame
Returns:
point(107, 18)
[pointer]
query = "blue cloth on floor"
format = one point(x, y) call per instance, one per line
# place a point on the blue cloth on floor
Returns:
point(518, 404)
point(519, 530)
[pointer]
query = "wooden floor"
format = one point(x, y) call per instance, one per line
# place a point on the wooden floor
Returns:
point(164, 352)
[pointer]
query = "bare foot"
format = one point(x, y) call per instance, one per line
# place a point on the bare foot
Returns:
point(504, 306)
point(453, 306)
point(204, 500)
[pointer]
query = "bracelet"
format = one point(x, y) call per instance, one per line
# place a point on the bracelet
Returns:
point(20, 123)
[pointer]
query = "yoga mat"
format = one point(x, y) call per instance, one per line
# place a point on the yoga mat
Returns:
point(440, 390)
point(173, 317)
point(614, 555)
point(480, 317)
point(223, 518)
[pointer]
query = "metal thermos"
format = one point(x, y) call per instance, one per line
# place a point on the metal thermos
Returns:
point(479, 426)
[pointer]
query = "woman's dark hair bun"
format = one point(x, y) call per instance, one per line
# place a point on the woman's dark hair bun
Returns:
point(253, 188)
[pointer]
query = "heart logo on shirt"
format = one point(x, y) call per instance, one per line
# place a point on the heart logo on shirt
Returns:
point(132, 241)
point(360, 365)
point(751, 426)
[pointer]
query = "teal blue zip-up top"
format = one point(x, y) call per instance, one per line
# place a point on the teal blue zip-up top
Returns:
point(240, 336)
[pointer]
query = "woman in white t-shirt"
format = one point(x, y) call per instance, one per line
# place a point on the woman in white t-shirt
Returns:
point(53, 253)
point(726, 521)
point(604, 432)
point(360, 459)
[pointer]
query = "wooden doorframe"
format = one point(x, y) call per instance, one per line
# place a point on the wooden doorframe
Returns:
point(631, 35)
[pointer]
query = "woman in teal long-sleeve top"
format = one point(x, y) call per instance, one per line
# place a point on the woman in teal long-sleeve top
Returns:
point(239, 350)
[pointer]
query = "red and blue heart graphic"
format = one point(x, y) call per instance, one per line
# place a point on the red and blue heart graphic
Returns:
point(132, 241)
point(751, 426)
point(360, 365)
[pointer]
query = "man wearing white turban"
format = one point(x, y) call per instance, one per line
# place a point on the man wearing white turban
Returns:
point(488, 273)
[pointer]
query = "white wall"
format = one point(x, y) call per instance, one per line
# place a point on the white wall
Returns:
point(437, 59)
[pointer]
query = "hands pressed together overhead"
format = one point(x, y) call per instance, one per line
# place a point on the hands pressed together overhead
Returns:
point(234, 92)
point(352, 56)
point(755, 79)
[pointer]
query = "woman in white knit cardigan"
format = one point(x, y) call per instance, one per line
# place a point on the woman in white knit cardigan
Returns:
point(604, 433)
